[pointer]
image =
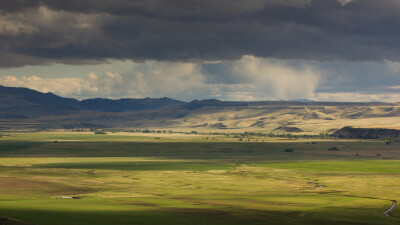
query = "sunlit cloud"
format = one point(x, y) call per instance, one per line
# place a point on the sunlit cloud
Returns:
point(344, 2)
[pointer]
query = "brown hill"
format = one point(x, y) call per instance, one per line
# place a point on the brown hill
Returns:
point(366, 133)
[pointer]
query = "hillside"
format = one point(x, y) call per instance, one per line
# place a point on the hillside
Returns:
point(366, 133)
point(22, 108)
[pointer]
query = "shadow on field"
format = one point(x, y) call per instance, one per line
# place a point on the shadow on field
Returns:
point(219, 151)
point(173, 216)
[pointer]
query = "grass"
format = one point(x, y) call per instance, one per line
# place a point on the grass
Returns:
point(341, 166)
point(183, 137)
point(140, 182)
point(140, 166)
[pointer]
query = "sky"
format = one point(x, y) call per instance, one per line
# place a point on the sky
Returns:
point(239, 50)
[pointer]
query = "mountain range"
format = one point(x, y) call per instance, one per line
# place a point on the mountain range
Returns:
point(26, 108)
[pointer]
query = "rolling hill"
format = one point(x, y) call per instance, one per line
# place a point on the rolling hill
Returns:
point(22, 108)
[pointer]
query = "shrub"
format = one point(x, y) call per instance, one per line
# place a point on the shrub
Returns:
point(100, 132)
point(288, 150)
point(333, 148)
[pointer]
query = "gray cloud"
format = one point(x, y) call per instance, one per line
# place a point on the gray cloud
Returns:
point(259, 79)
point(78, 32)
point(249, 78)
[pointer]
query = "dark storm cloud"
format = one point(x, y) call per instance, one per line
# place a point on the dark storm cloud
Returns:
point(40, 32)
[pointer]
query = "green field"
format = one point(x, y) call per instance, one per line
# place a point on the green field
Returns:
point(192, 180)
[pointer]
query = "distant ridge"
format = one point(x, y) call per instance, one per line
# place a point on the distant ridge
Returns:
point(197, 104)
point(25, 96)
point(36, 97)
point(14, 99)
point(127, 104)
point(26, 102)
point(23, 107)
point(303, 100)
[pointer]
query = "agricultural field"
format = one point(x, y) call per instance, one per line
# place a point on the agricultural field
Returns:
point(82, 178)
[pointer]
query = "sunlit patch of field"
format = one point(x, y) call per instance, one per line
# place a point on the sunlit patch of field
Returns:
point(140, 166)
point(215, 136)
point(341, 166)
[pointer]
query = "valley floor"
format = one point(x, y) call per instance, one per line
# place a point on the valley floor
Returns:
point(79, 180)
